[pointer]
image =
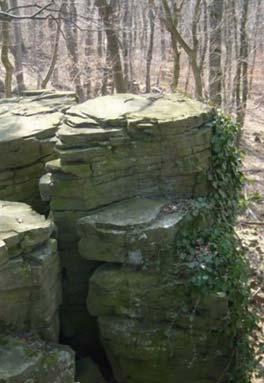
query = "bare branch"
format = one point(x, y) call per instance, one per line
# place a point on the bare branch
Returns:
point(6, 16)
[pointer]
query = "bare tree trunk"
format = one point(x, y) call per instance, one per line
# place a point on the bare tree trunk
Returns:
point(17, 52)
point(5, 50)
point(255, 44)
point(70, 15)
point(88, 53)
point(130, 40)
point(171, 20)
point(236, 80)
point(227, 57)
point(241, 111)
point(126, 32)
point(100, 37)
point(176, 64)
point(150, 48)
point(187, 77)
point(106, 12)
point(162, 38)
point(54, 56)
point(215, 51)
point(204, 47)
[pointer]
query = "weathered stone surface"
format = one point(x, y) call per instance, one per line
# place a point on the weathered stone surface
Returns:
point(135, 231)
point(155, 352)
point(126, 292)
point(30, 360)
point(30, 287)
point(28, 128)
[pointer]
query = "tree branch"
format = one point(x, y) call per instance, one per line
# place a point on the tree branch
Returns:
point(6, 16)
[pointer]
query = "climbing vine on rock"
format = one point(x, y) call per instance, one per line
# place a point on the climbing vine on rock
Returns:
point(212, 252)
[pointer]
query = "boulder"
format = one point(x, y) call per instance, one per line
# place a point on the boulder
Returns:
point(26, 359)
point(30, 286)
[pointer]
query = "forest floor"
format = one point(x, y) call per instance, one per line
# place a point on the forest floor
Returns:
point(250, 227)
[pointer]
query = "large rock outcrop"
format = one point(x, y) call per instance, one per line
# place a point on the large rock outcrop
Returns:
point(28, 128)
point(30, 285)
point(128, 171)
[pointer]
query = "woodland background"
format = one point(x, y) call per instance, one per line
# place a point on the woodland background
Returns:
point(210, 49)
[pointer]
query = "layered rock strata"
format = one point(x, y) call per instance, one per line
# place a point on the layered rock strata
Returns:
point(30, 286)
point(28, 129)
point(153, 325)
point(114, 148)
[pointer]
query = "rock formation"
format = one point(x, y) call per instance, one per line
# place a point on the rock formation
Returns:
point(154, 327)
point(129, 168)
point(30, 295)
point(28, 128)
point(30, 289)
point(122, 186)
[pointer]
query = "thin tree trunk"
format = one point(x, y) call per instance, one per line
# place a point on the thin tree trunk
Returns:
point(88, 53)
point(71, 32)
point(100, 36)
point(244, 63)
point(187, 77)
point(54, 56)
point(192, 52)
point(5, 50)
point(18, 51)
point(130, 40)
point(176, 65)
point(106, 13)
point(255, 44)
point(215, 50)
point(150, 48)
point(126, 32)
point(162, 38)
point(236, 79)
point(205, 38)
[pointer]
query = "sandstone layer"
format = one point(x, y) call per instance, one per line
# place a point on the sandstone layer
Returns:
point(28, 129)
point(30, 286)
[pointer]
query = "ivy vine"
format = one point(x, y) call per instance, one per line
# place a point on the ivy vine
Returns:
point(213, 251)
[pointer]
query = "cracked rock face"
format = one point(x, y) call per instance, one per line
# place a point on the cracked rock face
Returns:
point(28, 129)
point(30, 288)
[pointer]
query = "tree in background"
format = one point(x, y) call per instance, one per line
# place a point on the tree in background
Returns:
point(5, 51)
point(107, 13)
point(17, 50)
point(211, 49)
point(215, 51)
